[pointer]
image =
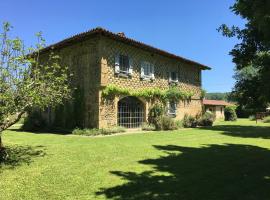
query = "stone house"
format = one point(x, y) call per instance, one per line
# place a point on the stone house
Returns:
point(99, 58)
point(215, 106)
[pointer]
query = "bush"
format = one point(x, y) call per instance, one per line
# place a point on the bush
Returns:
point(95, 131)
point(34, 122)
point(266, 119)
point(207, 119)
point(168, 123)
point(179, 123)
point(148, 127)
point(252, 118)
point(230, 114)
point(155, 116)
point(189, 121)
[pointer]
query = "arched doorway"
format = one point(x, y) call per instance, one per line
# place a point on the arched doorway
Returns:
point(130, 112)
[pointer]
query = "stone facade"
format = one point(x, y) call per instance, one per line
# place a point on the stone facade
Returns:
point(92, 62)
point(189, 78)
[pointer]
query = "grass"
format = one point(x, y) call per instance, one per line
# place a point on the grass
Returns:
point(228, 161)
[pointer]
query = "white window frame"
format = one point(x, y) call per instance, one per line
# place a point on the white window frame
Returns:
point(170, 77)
point(118, 63)
point(151, 68)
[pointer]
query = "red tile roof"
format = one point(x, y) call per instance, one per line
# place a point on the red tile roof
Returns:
point(118, 37)
point(216, 102)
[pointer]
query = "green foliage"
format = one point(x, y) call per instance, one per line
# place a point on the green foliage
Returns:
point(189, 121)
point(218, 96)
point(252, 118)
point(34, 122)
point(173, 93)
point(230, 114)
point(203, 93)
point(26, 82)
point(167, 123)
point(207, 119)
point(266, 119)
point(251, 55)
point(148, 127)
point(179, 123)
point(95, 132)
point(155, 114)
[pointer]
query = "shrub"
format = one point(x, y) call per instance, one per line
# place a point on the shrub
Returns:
point(252, 117)
point(168, 123)
point(155, 116)
point(95, 131)
point(189, 121)
point(207, 119)
point(148, 127)
point(34, 122)
point(266, 119)
point(179, 123)
point(230, 114)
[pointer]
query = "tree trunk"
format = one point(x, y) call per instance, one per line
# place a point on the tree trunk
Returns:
point(1, 145)
point(7, 124)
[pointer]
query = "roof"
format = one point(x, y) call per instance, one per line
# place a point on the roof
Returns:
point(215, 102)
point(124, 39)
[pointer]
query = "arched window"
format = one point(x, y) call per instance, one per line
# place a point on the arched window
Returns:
point(130, 112)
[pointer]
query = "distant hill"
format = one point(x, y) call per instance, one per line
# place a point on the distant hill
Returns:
point(218, 96)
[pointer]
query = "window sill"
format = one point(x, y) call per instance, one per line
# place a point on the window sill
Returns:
point(172, 115)
point(123, 74)
point(147, 78)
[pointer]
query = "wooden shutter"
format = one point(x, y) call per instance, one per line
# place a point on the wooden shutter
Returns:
point(152, 72)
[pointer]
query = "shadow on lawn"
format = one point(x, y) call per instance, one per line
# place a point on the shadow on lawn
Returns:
point(242, 131)
point(13, 156)
point(213, 172)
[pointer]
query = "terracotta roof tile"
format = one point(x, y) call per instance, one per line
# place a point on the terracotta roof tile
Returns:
point(216, 102)
point(104, 32)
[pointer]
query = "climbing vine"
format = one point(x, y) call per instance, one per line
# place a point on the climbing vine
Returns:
point(171, 94)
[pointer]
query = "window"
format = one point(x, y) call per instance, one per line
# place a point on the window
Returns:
point(221, 110)
point(147, 71)
point(172, 108)
point(123, 65)
point(173, 77)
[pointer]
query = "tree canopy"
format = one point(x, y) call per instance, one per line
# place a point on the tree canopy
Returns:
point(26, 82)
point(252, 55)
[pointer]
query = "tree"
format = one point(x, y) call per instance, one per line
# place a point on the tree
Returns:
point(27, 79)
point(252, 54)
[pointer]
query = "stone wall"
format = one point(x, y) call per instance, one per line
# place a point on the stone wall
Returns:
point(83, 62)
point(189, 78)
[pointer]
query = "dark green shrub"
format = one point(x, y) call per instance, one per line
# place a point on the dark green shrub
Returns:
point(230, 114)
point(168, 123)
point(155, 115)
point(34, 122)
point(207, 119)
point(189, 121)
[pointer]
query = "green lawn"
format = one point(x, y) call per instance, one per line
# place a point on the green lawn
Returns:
point(228, 161)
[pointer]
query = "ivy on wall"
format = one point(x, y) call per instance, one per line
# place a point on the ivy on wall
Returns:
point(171, 94)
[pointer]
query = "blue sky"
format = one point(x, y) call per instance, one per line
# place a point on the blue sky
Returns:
point(183, 27)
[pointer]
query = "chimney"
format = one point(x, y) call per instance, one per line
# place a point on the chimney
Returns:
point(121, 34)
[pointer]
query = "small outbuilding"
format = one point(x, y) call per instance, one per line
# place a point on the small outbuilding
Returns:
point(215, 106)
